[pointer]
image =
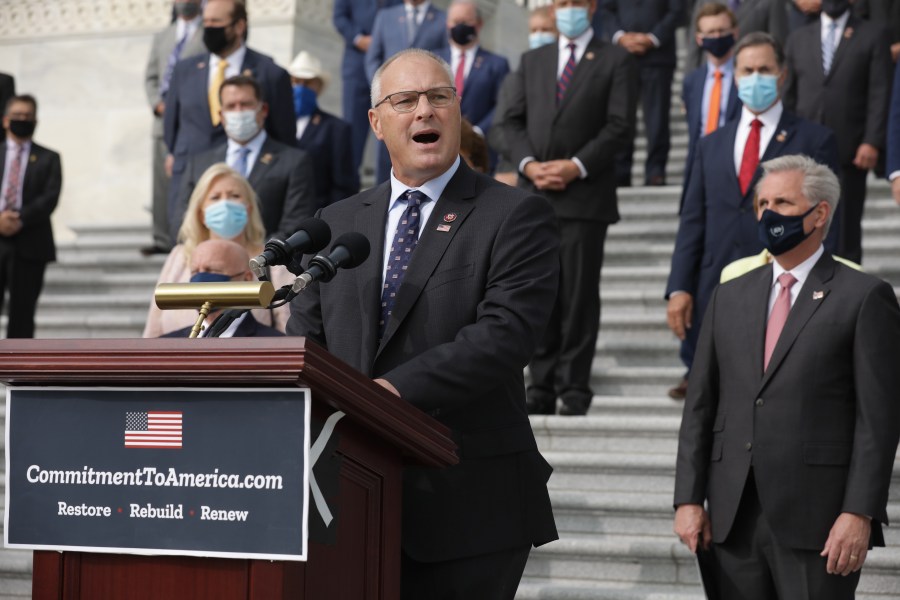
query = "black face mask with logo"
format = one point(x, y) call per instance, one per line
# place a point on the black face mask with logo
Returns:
point(21, 128)
point(782, 233)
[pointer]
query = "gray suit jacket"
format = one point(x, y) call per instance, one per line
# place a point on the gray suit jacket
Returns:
point(282, 178)
point(594, 121)
point(473, 304)
point(158, 61)
point(820, 426)
point(752, 15)
point(390, 35)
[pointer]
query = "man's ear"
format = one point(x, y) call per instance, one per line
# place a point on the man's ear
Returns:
point(375, 123)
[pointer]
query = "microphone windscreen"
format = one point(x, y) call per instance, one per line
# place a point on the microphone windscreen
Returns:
point(357, 247)
point(318, 231)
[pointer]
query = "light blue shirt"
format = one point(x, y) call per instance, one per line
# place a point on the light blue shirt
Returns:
point(254, 145)
point(727, 87)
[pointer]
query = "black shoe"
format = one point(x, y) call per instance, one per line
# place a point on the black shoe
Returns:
point(151, 250)
point(540, 406)
point(574, 408)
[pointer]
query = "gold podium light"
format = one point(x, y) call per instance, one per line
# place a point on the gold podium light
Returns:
point(228, 294)
point(205, 296)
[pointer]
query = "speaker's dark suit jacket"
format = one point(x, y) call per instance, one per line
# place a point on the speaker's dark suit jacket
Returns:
point(594, 121)
point(820, 426)
point(326, 140)
point(718, 224)
point(40, 194)
point(249, 327)
point(692, 96)
point(481, 86)
point(186, 123)
point(853, 98)
point(893, 132)
point(467, 316)
point(282, 178)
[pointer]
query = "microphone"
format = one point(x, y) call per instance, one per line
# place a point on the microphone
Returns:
point(313, 235)
point(349, 250)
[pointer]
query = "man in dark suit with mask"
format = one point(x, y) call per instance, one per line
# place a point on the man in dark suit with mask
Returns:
point(30, 183)
point(446, 313)
point(570, 110)
point(839, 75)
point(791, 420)
point(192, 121)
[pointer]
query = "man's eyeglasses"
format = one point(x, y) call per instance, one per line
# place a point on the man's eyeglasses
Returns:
point(404, 102)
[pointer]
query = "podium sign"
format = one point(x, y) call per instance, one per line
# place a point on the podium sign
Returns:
point(186, 471)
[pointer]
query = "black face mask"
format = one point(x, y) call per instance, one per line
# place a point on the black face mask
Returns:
point(835, 8)
point(22, 129)
point(215, 39)
point(463, 34)
point(781, 233)
point(718, 46)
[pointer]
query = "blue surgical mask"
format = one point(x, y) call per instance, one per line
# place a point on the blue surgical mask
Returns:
point(305, 102)
point(540, 38)
point(210, 278)
point(781, 233)
point(758, 92)
point(572, 21)
point(226, 218)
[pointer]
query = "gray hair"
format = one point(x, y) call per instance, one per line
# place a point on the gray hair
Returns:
point(376, 96)
point(819, 182)
point(760, 38)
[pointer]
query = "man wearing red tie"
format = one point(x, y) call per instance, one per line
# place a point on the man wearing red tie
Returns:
point(30, 181)
point(717, 224)
point(791, 422)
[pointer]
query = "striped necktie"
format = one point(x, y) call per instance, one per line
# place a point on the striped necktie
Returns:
point(828, 47)
point(11, 197)
point(566, 78)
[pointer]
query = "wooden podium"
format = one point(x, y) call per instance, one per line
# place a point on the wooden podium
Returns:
point(379, 434)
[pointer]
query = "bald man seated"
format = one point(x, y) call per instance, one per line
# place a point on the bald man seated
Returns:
point(220, 261)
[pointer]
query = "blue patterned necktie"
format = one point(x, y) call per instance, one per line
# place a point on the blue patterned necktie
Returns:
point(566, 78)
point(405, 238)
point(828, 47)
point(240, 165)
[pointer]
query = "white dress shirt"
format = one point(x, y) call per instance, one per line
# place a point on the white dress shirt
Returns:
point(235, 60)
point(800, 273)
point(727, 71)
point(769, 120)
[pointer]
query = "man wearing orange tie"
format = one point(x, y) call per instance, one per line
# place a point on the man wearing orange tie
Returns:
point(710, 92)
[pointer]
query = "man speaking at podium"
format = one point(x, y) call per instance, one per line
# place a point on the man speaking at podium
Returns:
point(446, 315)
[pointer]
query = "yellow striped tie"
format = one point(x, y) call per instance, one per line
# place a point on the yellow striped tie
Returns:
point(214, 104)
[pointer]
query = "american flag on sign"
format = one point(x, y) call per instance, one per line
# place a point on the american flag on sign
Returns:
point(154, 429)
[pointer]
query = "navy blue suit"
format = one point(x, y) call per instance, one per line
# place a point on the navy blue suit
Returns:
point(692, 96)
point(327, 140)
point(481, 86)
point(390, 36)
point(187, 128)
point(352, 18)
point(893, 132)
point(718, 224)
point(657, 67)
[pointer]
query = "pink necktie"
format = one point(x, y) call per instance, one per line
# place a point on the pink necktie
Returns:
point(11, 198)
point(779, 315)
point(460, 74)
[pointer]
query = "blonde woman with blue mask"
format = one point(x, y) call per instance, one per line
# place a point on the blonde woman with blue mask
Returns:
point(222, 206)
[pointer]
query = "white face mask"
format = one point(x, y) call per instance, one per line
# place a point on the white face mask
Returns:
point(240, 125)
